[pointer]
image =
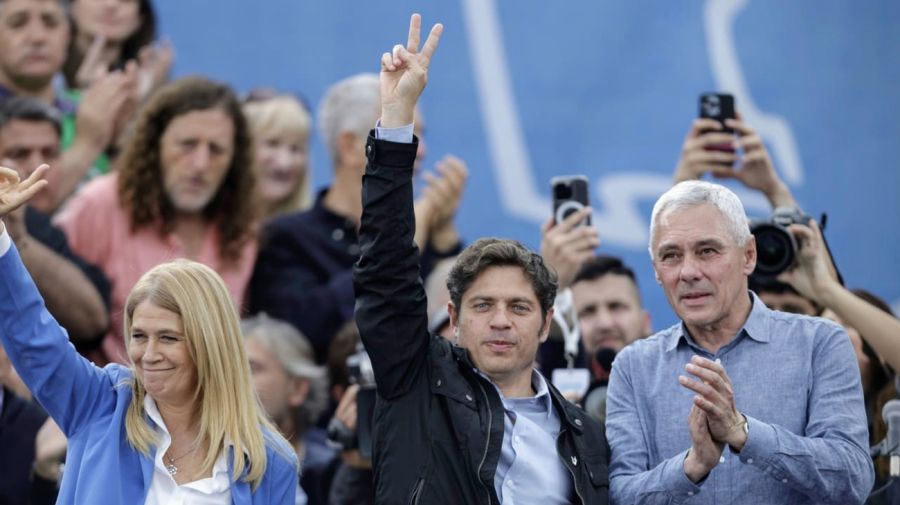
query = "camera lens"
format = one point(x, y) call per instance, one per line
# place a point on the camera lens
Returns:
point(775, 250)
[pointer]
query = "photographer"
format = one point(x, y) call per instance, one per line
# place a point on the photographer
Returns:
point(352, 482)
point(814, 277)
point(873, 329)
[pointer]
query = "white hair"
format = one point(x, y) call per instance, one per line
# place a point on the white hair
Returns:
point(350, 105)
point(297, 358)
point(692, 193)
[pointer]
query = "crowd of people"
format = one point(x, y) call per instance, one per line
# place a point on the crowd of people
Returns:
point(183, 319)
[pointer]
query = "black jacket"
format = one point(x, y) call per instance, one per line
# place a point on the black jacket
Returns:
point(20, 421)
point(438, 425)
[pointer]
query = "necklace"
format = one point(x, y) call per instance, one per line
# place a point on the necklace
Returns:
point(170, 466)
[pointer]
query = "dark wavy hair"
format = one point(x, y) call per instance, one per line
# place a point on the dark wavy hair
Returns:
point(131, 47)
point(490, 252)
point(141, 188)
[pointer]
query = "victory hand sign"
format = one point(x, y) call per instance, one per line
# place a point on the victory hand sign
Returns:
point(404, 73)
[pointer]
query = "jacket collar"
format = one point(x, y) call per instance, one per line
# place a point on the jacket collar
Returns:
point(568, 413)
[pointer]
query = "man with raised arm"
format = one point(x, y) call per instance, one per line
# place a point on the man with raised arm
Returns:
point(469, 423)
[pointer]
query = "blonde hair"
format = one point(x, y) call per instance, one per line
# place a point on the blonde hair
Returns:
point(283, 114)
point(229, 408)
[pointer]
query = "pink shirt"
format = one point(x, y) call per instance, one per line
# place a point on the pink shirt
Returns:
point(99, 230)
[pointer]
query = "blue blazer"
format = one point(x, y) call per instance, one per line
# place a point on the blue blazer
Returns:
point(89, 404)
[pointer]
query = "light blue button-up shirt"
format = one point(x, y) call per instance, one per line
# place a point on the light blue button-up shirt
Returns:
point(529, 469)
point(796, 380)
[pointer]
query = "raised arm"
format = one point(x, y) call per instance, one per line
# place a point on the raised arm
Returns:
point(390, 300)
point(815, 279)
point(68, 292)
point(68, 386)
point(754, 169)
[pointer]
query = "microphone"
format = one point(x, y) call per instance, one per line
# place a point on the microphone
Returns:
point(891, 415)
point(601, 364)
point(605, 357)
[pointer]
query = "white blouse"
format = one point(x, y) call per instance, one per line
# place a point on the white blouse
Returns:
point(215, 490)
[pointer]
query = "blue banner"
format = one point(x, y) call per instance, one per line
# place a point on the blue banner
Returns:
point(524, 90)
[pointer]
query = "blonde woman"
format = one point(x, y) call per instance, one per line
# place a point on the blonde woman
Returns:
point(181, 423)
point(280, 126)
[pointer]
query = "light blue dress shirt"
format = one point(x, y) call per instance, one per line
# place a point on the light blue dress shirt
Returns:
point(796, 380)
point(529, 470)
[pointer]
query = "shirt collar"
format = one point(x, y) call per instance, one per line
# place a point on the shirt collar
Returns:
point(538, 383)
point(153, 413)
point(541, 396)
point(755, 326)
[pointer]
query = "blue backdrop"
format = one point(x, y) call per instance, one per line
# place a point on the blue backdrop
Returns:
point(524, 90)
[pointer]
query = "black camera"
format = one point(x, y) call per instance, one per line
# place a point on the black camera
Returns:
point(359, 370)
point(776, 246)
point(359, 367)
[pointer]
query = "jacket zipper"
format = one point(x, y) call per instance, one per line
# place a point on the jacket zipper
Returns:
point(571, 471)
point(417, 492)
point(487, 442)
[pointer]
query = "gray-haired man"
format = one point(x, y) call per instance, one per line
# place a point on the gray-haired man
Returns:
point(772, 400)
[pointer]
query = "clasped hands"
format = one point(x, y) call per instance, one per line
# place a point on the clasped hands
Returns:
point(714, 420)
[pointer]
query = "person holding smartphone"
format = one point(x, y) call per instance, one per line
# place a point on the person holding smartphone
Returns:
point(720, 143)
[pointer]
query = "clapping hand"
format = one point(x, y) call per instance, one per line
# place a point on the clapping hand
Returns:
point(715, 397)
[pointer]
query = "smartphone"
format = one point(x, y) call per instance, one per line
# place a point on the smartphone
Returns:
point(718, 106)
point(570, 194)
